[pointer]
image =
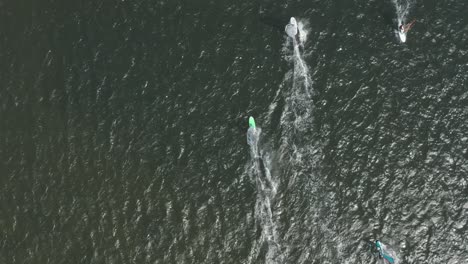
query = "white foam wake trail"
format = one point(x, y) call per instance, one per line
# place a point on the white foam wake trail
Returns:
point(296, 119)
point(297, 149)
point(301, 69)
point(299, 99)
point(299, 75)
point(402, 9)
point(266, 192)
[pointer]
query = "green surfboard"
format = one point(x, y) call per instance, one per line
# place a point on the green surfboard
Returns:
point(252, 122)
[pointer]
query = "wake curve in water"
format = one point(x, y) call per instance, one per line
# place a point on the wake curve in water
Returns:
point(267, 245)
point(298, 151)
point(402, 9)
point(298, 108)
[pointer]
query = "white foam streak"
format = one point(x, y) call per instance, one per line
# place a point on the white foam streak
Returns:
point(266, 192)
point(402, 9)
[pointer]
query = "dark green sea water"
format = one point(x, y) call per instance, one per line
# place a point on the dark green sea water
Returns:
point(123, 132)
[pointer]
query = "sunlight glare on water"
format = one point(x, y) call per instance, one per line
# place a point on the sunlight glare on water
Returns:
point(123, 132)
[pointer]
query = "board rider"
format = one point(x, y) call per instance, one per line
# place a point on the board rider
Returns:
point(405, 28)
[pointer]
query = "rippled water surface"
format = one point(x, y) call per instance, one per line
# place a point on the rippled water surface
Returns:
point(123, 132)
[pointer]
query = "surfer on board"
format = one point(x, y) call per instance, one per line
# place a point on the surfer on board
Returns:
point(292, 30)
point(378, 247)
point(405, 28)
